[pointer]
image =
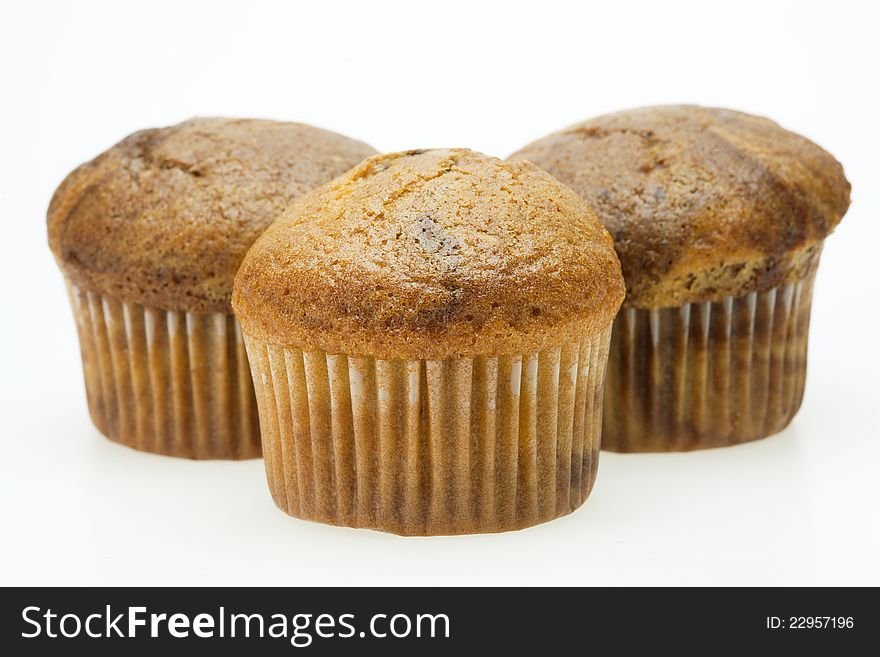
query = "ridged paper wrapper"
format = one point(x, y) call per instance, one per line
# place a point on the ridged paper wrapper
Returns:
point(707, 374)
point(167, 382)
point(461, 445)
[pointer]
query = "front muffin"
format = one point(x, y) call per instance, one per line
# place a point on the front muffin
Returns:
point(718, 218)
point(149, 236)
point(428, 336)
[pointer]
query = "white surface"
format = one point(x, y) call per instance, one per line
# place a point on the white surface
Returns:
point(799, 508)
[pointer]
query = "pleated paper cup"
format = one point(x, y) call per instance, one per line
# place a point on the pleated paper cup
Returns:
point(708, 374)
point(167, 382)
point(454, 446)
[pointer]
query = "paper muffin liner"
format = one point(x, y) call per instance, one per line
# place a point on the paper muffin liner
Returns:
point(707, 374)
point(462, 445)
point(168, 382)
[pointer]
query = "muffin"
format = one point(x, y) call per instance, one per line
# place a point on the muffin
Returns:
point(428, 336)
point(149, 236)
point(718, 218)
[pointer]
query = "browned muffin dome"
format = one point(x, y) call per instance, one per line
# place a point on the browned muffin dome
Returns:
point(431, 254)
point(164, 217)
point(702, 203)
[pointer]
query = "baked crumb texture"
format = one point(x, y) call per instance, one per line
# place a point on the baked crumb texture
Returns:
point(164, 217)
point(431, 254)
point(702, 203)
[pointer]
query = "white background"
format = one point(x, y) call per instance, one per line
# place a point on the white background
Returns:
point(798, 508)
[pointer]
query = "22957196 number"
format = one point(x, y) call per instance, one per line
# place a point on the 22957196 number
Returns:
point(820, 622)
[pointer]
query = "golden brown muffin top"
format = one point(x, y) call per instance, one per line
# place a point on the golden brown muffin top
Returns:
point(431, 254)
point(702, 203)
point(164, 217)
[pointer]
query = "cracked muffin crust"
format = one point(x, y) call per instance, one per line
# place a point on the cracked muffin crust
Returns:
point(164, 217)
point(703, 203)
point(430, 254)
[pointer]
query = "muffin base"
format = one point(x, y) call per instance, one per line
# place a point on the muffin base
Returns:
point(707, 375)
point(166, 382)
point(416, 447)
